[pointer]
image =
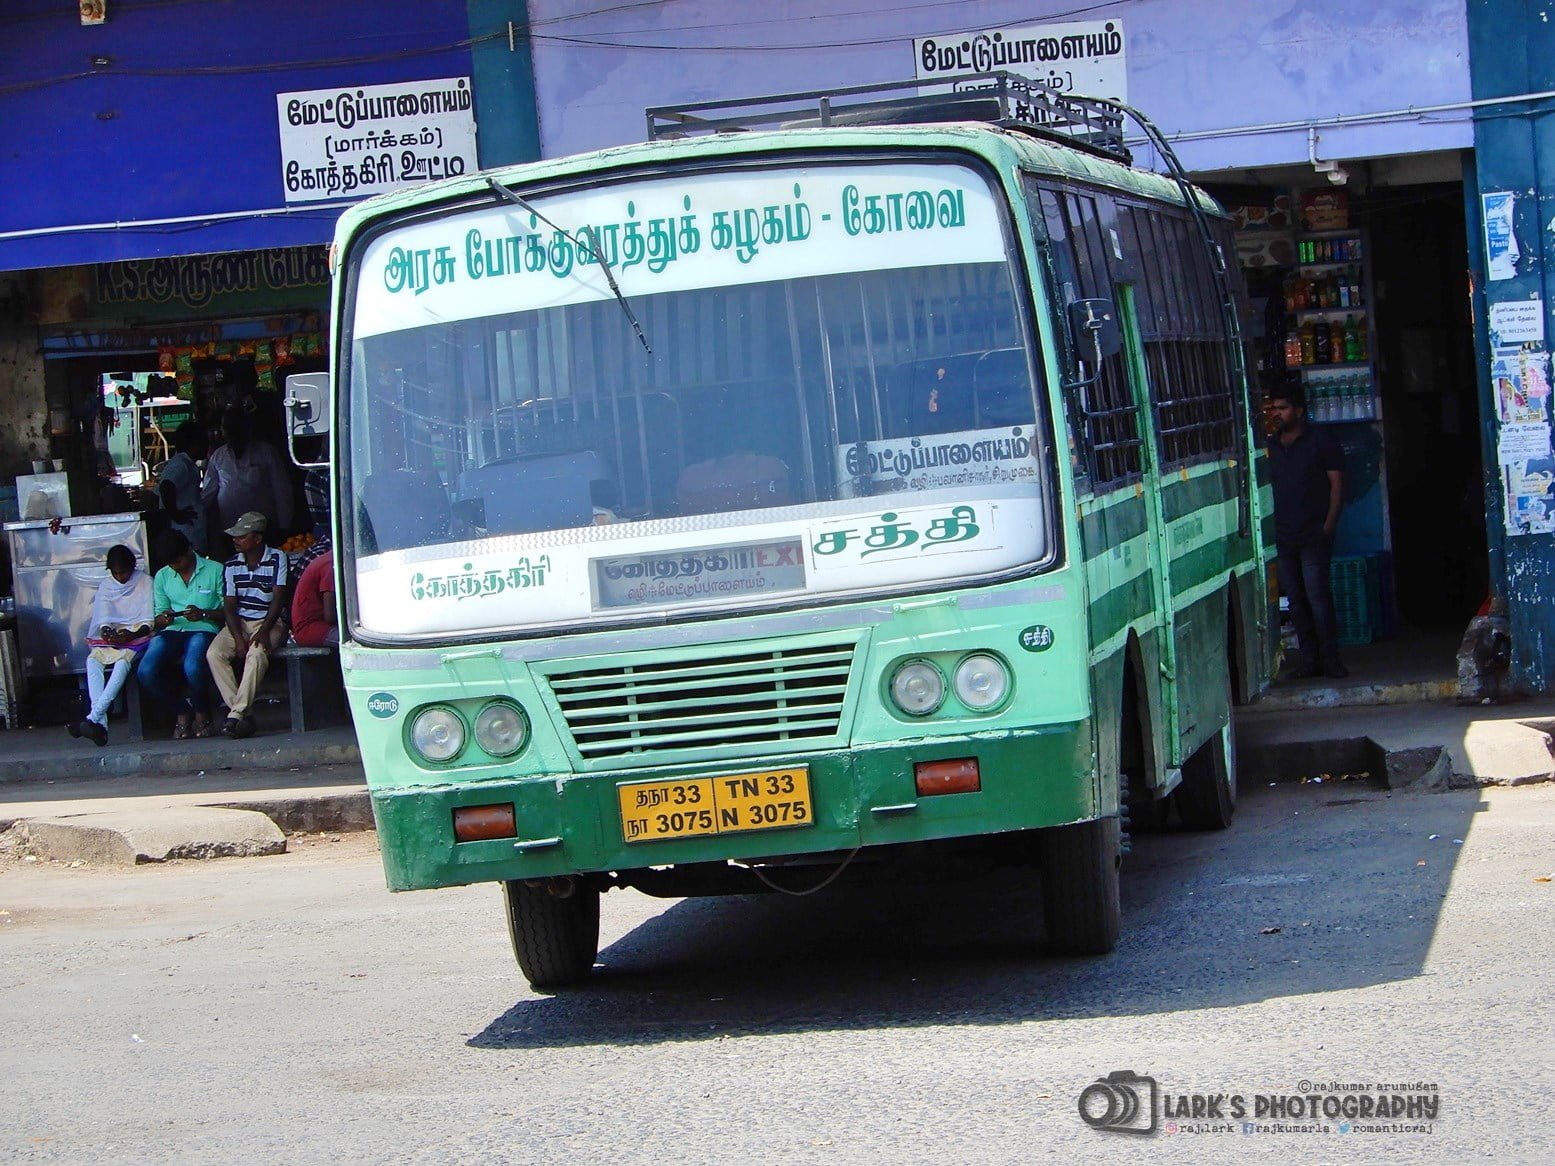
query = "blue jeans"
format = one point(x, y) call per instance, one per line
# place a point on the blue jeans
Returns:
point(1303, 575)
point(186, 692)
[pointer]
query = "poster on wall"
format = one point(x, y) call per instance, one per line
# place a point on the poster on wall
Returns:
point(1500, 241)
point(353, 142)
point(1087, 57)
point(1517, 322)
point(1521, 383)
point(1521, 380)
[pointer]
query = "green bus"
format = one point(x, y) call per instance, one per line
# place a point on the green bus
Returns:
point(839, 485)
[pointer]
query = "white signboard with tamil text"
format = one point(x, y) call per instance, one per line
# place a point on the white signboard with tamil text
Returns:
point(676, 234)
point(1086, 57)
point(354, 142)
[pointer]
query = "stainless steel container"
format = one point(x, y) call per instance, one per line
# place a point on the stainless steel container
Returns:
point(56, 577)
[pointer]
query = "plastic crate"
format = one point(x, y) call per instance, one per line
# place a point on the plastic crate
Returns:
point(1357, 610)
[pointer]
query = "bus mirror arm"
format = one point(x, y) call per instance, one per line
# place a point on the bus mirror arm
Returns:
point(1093, 325)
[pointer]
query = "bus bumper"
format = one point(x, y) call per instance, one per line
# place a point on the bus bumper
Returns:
point(864, 796)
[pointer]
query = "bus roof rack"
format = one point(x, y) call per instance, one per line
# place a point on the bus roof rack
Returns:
point(999, 98)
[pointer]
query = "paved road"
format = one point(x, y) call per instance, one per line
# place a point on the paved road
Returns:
point(289, 1009)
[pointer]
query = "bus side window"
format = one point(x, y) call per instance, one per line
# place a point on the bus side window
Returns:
point(1182, 331)
point(1109, 419)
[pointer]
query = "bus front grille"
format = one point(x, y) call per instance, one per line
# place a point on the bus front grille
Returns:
point(726, 703)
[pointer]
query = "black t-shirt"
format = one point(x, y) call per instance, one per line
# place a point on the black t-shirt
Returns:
point(1299, 473)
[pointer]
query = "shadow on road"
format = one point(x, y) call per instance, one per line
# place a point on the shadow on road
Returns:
point(1316, 888)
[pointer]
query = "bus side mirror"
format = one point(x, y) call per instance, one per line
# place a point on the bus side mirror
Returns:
point(1094, 326)
point(307, 411)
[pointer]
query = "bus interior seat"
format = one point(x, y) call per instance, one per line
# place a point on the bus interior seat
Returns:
point(738, 481)
point(1001, 388)
point(525, 493)
point(406, 508)
point(647, 463)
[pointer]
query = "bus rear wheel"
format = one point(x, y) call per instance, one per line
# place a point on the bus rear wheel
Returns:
point(1206, 799)
point(554, 928)
point(1079, 870)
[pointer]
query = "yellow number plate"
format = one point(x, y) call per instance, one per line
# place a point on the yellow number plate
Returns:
point(769, 800)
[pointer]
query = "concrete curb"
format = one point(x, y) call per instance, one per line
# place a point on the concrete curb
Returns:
point(128, 761)
point(1509, 753)
point(132, 837)
point(1356, 695)
point(326, 813)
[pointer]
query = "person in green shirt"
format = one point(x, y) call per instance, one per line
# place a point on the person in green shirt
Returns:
point(187, 606)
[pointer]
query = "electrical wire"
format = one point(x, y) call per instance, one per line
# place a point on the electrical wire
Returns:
point(810, 46)
point(826, 882)
point(529, 29)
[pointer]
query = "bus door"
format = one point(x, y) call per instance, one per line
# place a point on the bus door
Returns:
point(1128, 569)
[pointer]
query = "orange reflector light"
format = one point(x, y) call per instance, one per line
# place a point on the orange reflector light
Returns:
point(480, 823)
point(957, 776)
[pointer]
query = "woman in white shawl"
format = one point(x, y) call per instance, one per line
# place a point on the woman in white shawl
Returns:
point(118, 633)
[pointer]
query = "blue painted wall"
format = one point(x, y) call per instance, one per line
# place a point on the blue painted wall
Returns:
point(181, 119)
point(1514, 150)
point(1193, 65)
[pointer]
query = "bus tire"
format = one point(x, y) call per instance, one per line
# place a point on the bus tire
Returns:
point(1206, 799)
point(555, 936)
point(1079, 870)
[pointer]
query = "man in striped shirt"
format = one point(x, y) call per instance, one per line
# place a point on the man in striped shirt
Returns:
point(255, 594)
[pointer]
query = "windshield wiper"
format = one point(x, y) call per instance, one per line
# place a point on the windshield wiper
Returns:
point(507, 195)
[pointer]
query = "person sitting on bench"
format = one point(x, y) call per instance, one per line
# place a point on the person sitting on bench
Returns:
point(254, 594)
point(314, 620)
point(119, 631)
point(187, 596)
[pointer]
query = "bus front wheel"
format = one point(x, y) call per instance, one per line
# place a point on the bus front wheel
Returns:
point(1079, 870)
point(554, 928)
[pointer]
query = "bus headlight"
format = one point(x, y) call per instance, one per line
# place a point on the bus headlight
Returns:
point(501, 728)
point(982, 681)
point(918, 688)
point(437, 734)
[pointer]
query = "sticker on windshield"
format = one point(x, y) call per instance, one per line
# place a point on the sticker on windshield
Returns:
point(968, 457)
point(703, 573)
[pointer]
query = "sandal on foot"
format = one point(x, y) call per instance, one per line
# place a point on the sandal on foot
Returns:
point(203, 728)
point(181, 729)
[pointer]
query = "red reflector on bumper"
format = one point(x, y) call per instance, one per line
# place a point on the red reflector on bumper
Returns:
point(957, 776)
point(481, 823)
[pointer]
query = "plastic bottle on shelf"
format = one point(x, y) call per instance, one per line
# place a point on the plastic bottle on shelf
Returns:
point(1336, 352)
point(1355, 287)
point(1352, 344)
point(1292, 347)
point(1317, 401)
point(1309, 343)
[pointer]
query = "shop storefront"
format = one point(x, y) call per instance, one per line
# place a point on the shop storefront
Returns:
point(1362, 297)
point(134, 349)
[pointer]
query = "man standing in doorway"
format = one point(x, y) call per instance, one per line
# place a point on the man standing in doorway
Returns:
point(1306, 467)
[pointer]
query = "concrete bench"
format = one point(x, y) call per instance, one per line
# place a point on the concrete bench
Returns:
point(315, 693)
point(314, 689)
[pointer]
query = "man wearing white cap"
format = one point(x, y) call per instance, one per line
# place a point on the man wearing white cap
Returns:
point(255, 595)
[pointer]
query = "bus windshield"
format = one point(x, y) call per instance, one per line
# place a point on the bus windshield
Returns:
point(840, 398)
